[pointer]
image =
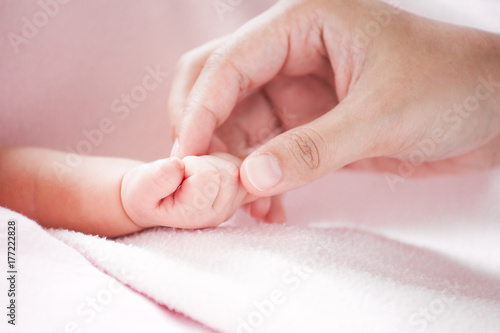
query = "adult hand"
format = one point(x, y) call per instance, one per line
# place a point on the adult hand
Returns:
point(335, 82)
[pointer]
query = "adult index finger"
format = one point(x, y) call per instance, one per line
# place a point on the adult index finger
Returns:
point(249, 58)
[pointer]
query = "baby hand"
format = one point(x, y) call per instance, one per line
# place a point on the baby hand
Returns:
point(195, 192)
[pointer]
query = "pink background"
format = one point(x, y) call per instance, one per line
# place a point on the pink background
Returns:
point(65, 78)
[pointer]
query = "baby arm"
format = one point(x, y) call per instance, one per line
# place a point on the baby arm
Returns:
point(112, 196)
point(84, 197)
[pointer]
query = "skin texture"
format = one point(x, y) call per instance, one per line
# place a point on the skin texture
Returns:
point(320, 85)
point(195, 192)
point(113, 197)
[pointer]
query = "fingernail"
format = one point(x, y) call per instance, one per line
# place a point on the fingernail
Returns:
point(175, 148)
point(263, 172)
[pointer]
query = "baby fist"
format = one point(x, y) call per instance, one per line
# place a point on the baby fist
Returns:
point(195, 192)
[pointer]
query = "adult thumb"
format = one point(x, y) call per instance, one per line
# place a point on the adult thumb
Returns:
point(305, 153)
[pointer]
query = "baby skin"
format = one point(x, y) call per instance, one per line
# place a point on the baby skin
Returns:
point(113, 196)
point(195, 192)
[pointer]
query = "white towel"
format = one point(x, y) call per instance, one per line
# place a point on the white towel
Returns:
point(330, 269)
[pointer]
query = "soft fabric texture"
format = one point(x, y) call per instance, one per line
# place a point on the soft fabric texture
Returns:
point(330, 268)
point(57, 289)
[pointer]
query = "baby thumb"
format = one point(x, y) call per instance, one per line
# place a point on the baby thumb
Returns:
point(155, 181)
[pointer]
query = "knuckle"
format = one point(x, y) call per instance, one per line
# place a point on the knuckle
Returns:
point(229, 173)
point(211, 176)
point(196, 108)
point(216, 58)
point(306, 145)
point(208, 188)
point(222, 58)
